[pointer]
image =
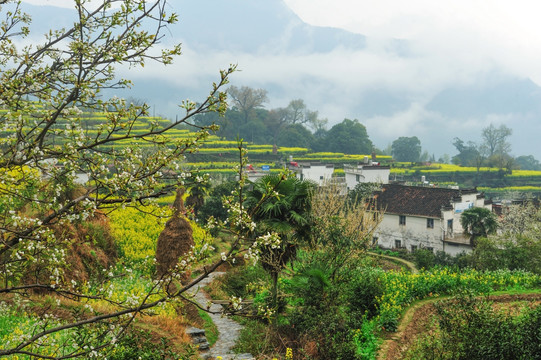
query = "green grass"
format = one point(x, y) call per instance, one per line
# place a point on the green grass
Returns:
point(517, 292)
point(211, 331)
point(254, 338)
point(17, 325)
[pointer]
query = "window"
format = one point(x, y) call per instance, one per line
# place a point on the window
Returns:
point(397, 244)
point(431, 249)
point(358, 178)
point(374, 240)
point(321, 177)
point(430, 223)
point(450, 225)
point(402, 220)
point(413, 248)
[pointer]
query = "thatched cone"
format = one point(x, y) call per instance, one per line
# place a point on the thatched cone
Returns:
point(175, 240)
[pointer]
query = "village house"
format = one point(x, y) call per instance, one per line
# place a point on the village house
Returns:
point(367, 172)
point(316, 172)
point(425, 217)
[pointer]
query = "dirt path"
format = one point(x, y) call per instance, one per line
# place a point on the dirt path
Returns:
point(408, 264)
point(418, 316)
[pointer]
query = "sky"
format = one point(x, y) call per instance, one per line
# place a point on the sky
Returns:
point(499, 31)
point(450, 44)
point(453, 42)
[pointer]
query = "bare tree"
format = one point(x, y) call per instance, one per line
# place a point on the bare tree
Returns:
point(296, 111)
point(247, 99)
point(277, 119)
point(495, 139)
point(318, 125)
point(343, 227)
point(520, 219)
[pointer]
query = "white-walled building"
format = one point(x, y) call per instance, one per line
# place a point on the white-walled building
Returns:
point(317, 172)
point(366, 173)
point(425, 217)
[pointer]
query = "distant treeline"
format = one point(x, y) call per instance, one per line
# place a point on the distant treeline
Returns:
point(292, 126)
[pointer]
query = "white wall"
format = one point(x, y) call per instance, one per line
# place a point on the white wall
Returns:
point(454, 249)
point(371, 174)
point(468, 201)
point(415, 232)
point(318, 173)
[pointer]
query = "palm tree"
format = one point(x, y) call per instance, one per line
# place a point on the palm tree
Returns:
point(282, 205)
point(196, 197)
point(478, 222)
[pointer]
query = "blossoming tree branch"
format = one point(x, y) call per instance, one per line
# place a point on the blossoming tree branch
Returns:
point(45, 91)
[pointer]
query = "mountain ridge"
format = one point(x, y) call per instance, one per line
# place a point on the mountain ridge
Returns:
point(277, 51)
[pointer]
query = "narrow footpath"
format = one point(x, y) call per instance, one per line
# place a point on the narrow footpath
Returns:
point(228, 330)
point(408, 264)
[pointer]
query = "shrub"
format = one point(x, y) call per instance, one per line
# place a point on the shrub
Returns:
point(424, 259)
point(401, 288)
point(529, 330)
point(243, 281)
point(366, 340)
point(362, 293)
point(329, 311)
point(258, 339)
point(470, 328)
point(519, 253)
point(139, 344)
point(327, 328)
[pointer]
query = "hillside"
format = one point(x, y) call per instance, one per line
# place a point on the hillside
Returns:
point(334, 71)
point(218, 156)
point(113, 219)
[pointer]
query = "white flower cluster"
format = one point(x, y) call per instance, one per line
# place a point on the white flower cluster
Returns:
point(42, 250)
point(252, 254)
point(265, 311)
point(133, 300)
point(72, 111)
point(200, 253)
point(16, 220)
point(238, 216)
point(236, 303)
point(211, 223)
point(254, 251)
point(270, 239)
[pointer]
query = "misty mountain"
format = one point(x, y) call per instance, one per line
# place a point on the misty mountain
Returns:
point(496, 95)
point(232, 25)
point(339, 73)
point(255, 27)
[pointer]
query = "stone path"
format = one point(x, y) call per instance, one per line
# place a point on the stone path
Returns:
point(409, 264)
point(228, 329)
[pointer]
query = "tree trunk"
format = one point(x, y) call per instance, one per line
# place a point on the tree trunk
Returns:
point(274, 276)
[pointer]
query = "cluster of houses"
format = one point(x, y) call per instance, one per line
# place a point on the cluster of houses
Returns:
point(415, 217)
point(425, 217)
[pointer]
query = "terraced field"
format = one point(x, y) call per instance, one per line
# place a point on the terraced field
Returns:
point(219, 156)
point(419, 320)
